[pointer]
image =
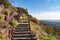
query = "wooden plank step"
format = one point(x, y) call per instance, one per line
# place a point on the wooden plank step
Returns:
point(22, 35)
point(22, 27)
point(23, 32)
point(23, 23)
point(22, 38)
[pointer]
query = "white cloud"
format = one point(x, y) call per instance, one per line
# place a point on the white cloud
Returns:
point(47, 15)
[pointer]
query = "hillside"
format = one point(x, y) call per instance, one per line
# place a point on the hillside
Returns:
point(9, 17)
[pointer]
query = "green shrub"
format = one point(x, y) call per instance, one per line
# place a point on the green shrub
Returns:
point(7, 25)
point(50, 38)
point(14, 23)
point(4, 37)
point(6, 3)
point(46, 38)
point(0, 35)
point(1, 17)
point(6, 13)
point(22, 10)
point(51, 30)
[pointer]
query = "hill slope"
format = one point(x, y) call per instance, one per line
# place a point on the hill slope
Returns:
point(9, 17)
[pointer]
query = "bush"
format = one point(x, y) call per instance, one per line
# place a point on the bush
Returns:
point(51, 30)
point(46, 38)
point(4, 35)
point(6, 3)
point(34, 20)
point(7, 25)
point(22, 10)
point(14, 23)
point(1, 17)
point(50, 38)
point(6, 13)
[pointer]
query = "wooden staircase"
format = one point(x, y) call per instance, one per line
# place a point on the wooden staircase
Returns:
point(23, 33)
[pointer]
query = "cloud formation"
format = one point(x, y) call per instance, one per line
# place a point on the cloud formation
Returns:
point(48, 15)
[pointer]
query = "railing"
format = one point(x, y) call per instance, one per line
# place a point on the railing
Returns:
point(33, 34)
point(11, 29)
point(10, 32)
point(9, 18)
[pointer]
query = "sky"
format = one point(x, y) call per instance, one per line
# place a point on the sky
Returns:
point(41, 9)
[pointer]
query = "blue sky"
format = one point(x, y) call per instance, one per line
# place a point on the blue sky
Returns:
point(41, 9)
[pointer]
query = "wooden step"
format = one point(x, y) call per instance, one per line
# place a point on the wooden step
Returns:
point(22, 35)
point(22, 32)
point(22, 38)
point(22, 27)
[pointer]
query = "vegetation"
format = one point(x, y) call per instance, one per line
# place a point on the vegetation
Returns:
point(7, 25)
point(51, 30)
point(14, 23)
point(43, 35)
point(5, 3)
point(22, 10)
point(6, 13)
point(46, 38)
point(1, 17)
point(33, 19)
